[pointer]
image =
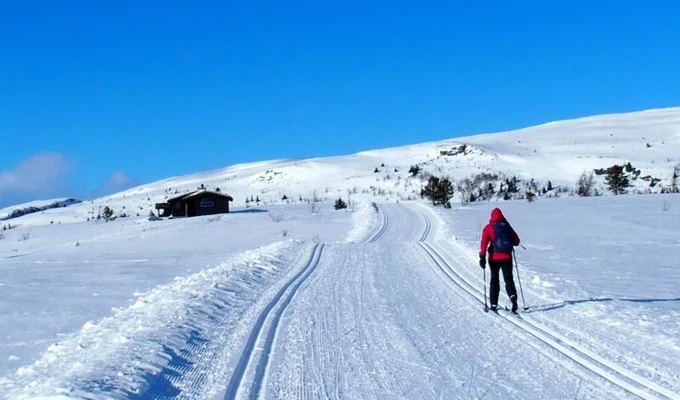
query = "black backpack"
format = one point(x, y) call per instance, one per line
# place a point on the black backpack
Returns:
point(502, 234)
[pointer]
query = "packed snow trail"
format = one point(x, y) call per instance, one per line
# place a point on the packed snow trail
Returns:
point(395, 315)
point(380, 320)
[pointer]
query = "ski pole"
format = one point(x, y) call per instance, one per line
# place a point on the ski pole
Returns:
point(519, 280)
point(486, 307)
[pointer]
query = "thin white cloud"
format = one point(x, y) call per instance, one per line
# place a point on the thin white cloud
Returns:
point(116, 182)
point(41, 174)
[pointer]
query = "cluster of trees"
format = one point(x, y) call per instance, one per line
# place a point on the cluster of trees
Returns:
point(486, 186)
point(256, 200)
point(618, 179)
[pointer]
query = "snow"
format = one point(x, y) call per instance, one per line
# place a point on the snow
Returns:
point(601, 271)
point(361, 316)
point(291, 298)
point(558, 152)
point(38, 205)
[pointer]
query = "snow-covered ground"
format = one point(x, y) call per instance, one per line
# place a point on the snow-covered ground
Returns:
point(382, 302)
point(602, 272)
point(288, 297)
point(57, 280)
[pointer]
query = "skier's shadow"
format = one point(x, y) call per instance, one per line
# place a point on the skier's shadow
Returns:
point(561, 304)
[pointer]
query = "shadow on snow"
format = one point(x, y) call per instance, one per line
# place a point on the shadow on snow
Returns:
point(554, 306)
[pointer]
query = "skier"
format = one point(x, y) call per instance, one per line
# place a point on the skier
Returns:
point(499, 238)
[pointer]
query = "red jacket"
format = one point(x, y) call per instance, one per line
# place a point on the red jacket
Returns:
point(488, 237)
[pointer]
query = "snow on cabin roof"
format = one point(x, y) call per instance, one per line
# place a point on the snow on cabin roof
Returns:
point(199, 192)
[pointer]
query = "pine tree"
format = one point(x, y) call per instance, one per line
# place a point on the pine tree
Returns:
point(439, 191)
point(550, 186)
point(430, 190)
point(617, 180)
point(107, 213)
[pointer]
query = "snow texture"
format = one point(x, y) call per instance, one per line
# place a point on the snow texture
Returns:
point(290, 298)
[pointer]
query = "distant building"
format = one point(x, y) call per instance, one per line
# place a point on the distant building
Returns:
point(200, 202)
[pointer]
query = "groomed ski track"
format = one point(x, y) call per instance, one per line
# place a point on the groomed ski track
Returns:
point(391, 318)
point(396, 316)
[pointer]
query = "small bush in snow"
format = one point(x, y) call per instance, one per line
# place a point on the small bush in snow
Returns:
point(276, 217)
point(665, 206)
point(530, 197)
point(340, 204)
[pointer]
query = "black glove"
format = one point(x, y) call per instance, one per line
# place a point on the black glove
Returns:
point(482, 262)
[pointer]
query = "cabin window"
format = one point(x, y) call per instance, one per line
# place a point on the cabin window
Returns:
point(207, 203)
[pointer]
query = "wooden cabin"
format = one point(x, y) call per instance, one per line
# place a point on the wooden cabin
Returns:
point(200, 202)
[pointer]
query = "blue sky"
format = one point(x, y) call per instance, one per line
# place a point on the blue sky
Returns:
point(96, 96)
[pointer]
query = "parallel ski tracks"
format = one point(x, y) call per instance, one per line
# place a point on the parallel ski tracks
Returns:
point(610, 371)
point(256, 352)
point(383, 225)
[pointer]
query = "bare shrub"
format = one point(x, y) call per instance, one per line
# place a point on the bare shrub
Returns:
point(275, 217)
point(584, 186)
point(665, 207)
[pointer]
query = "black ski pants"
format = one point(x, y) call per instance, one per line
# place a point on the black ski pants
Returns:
point(495, 287)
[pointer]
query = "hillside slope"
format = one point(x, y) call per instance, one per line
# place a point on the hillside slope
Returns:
point(557, 152)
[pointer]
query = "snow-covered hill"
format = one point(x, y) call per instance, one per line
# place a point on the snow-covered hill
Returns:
point(34, 207)
point(557, 152)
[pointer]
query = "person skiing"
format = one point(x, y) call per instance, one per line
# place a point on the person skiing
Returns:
point(498, 238)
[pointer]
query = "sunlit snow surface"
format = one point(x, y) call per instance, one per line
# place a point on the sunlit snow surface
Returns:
point(291, 298)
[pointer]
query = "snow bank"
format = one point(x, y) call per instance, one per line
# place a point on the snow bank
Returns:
point(135, 332)
point(363, 221)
